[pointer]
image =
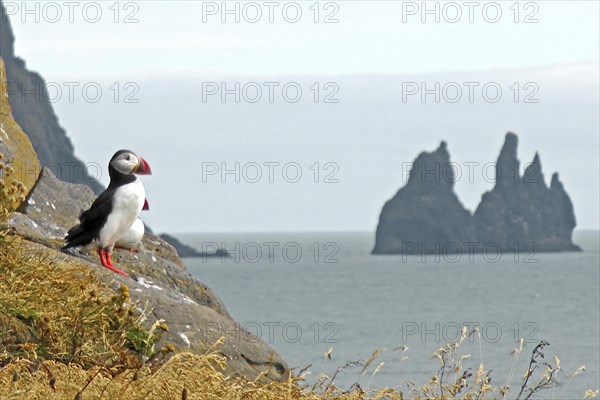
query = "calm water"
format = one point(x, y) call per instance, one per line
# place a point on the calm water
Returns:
point(306, 292)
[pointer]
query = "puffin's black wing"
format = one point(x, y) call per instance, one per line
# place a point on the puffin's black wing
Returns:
point(96, 215)
point(90, 221)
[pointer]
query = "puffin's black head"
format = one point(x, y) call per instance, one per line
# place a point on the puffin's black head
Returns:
point(126, 162)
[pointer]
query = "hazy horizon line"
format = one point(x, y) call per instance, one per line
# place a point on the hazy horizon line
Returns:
point(202, 74)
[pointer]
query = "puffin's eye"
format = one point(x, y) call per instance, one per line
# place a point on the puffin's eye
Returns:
point(128, 158)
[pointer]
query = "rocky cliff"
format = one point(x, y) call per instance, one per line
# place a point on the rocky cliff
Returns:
point(33, 111)
point(50, 205)
point(425, 215)
point(519, 213)
point(159, 281)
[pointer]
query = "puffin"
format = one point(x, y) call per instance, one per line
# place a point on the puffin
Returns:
point(116, 209)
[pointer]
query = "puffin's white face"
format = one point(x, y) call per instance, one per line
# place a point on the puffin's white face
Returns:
point(126, 163)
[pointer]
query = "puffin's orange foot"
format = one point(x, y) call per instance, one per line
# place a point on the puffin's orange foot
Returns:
point(107, 262)
point(117, 270)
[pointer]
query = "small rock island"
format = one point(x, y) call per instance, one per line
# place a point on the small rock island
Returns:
point(186, 251)
point(521, 213)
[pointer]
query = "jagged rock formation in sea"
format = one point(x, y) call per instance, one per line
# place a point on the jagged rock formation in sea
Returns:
point(519, 213)
point(33, 111)
point(425, 215)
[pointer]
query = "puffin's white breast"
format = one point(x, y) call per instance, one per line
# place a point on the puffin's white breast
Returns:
point(127, 204)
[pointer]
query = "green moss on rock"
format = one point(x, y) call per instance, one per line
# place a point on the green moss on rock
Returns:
point(14, 143)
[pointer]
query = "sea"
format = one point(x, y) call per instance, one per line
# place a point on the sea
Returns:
point(324, 303)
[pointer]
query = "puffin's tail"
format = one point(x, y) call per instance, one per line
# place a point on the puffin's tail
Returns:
point(77, 236)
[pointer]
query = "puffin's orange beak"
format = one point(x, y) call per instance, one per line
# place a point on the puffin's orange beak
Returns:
point(143, 168)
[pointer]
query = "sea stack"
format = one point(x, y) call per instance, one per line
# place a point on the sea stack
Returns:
point(425, 216)
point(520, 213)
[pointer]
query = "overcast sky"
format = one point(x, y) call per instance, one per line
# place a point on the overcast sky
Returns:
point(372, 54)
point(166, 37)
